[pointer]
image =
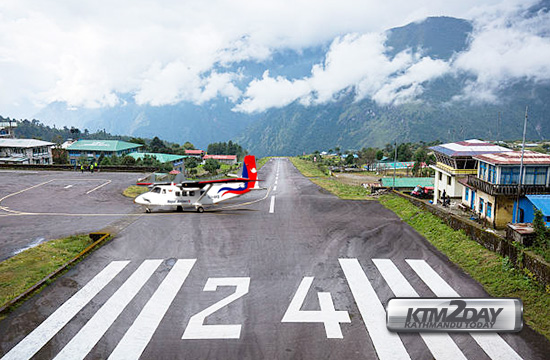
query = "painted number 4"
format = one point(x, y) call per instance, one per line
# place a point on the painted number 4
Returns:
point(329, 316)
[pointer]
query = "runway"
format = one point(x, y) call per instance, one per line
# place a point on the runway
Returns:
point(289, 273)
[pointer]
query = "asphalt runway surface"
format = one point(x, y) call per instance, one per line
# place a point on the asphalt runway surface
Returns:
point(289, 273)
point(45, 205)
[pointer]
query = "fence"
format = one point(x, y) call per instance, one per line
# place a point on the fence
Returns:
point(68, 167)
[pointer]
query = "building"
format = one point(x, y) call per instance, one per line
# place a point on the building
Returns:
point(528, 204)
point(6, 129)
point(407, 183)
point(224, 159)
point(454, 161)
point(25, 151)
point(92, 149)
point(177, 161)
point(493, 191)
point(196, 153)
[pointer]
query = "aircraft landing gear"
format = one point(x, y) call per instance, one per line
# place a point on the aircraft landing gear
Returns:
point(179, 208)
point(147, 210)
point(200, 209)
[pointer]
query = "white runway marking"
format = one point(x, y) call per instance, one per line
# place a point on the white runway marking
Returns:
point(441, 345)
point(81, 344)
point(272, 205)
point(98, 187)
point(388, 345)
point(68, 186)
point(31, 344)
point(492, 344)
point(140, 333)
point(275, 188)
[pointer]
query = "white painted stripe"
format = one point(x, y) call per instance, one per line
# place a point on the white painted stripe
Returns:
point(140, 333)
point(272, 205)
point(441, 345)
point(68, 186)
point(388, 345)
point(81, 344)
point(31, 344)
point(493, 345)
point(275, 188)
point(100, 186)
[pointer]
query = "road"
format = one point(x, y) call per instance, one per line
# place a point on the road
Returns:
point(293, 273)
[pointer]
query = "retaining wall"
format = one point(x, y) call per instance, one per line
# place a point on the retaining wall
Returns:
point(519, 257)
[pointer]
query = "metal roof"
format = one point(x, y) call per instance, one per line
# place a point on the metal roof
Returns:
point(221, 157)
point(102, 145)
point(408, 182)
point(541, 202)
point(23, 143)
point(514, 158)
point(468, 148)
point(160, 157)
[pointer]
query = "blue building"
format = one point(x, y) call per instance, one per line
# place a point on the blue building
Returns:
point(529, 203)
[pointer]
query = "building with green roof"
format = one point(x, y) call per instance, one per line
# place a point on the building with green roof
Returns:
point(92, 149)
point(407, 183)
point(175, 160)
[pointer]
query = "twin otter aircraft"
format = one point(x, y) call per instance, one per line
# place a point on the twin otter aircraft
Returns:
point(198, 193)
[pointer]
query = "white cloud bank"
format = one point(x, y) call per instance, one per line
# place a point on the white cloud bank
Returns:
point(88, 53)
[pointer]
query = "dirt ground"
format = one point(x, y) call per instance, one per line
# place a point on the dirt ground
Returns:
point(356, 178)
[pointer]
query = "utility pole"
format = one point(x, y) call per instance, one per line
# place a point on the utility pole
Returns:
point(521, 166)
point(394, 166)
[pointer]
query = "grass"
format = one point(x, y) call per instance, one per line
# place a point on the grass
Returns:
point(307, 168)
point(23, 270)
point(495, 273)
point(331, 184)
point(134, 190)
point(261, 162)
point(343, 191)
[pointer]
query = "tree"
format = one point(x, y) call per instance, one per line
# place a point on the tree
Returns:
point(191, 163)
point(350, 159)
point(542, 234)
point(106, 161)
point(379, 155)
point(128, 161)
point(211, 165)
point(188, 146)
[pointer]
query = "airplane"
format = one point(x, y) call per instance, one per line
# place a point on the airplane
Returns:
point(196, 194)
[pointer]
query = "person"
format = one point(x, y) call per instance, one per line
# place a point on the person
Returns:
point(443, 198)
point(92, 168)
point(82, 168)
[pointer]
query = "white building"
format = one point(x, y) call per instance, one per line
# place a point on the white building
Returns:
point(25, 151)
point(455, 161)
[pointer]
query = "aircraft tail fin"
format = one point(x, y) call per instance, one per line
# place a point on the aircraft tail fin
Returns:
point(249, 171)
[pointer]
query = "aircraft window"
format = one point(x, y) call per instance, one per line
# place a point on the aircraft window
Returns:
point(184, 193)
point(164, 191)
point(202, 192)
point(191, 193)
point(178, 193)
point(156, 190)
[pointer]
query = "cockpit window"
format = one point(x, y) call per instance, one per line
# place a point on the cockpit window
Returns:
point(164, 191)
point(156, 190)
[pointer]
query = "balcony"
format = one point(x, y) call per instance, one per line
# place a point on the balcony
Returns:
point(506, 190)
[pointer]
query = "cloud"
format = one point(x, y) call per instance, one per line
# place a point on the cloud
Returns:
point(89, 53)
point(503, 51)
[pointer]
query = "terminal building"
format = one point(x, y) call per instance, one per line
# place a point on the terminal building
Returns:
point(454, 161)
point(92, 149)
point(25, 151)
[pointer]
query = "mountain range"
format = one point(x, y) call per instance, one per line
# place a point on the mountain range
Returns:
point(346, 121)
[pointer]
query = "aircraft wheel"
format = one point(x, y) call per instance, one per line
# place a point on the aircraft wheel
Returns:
point(200, 209)
point(179, 208)
point(147, 210)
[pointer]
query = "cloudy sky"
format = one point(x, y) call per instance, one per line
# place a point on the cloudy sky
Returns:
point(89, 53)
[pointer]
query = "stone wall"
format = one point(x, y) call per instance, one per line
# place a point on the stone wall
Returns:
point(519, 257)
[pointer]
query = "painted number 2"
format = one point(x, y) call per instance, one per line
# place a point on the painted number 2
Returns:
point(329, 316)
point(196, 328)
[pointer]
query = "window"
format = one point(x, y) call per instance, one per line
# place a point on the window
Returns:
point(482, 171)
point(535, 176)
point(448, 180)
point(178, 193)
point(480, 205)
point(467, 194)
point(156, 190)
point(509, 175)
point(191, 193)
point(440, 176)
point(164, 191)
point(492, 174)
point(489, 209)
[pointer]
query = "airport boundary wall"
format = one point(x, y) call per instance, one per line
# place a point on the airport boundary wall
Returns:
point(68, 167)
point(536, 266)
